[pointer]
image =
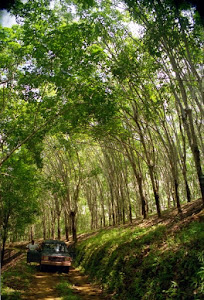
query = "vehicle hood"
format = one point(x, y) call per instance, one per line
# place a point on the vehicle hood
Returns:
point(50, 253)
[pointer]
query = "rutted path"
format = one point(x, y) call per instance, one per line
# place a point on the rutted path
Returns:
point(43, 286)
point(83, 287)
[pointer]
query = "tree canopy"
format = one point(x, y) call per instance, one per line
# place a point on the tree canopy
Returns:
point(98, 125)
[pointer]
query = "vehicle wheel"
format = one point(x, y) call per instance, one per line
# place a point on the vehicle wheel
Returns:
point(66, 269)
point(42, 268)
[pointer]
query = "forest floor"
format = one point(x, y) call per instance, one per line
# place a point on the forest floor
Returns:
point(47, 285)
point(44, 285)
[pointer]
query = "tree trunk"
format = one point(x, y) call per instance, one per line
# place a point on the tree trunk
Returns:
point(188, 191)
point(58, 227)
point(177, 196)
point(73, 224)
point(112, 208)
point(103, 215)
point(44, 227)
point(155, 190)
point(4, 236)
point(53, 218)
point(66, 226)
point(188, 122)
point(3, 246)
point(53, 230)
point(123, 216)
point(31, 233)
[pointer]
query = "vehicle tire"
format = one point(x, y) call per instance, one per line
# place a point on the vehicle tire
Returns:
point(42, 268)
point(66, 269)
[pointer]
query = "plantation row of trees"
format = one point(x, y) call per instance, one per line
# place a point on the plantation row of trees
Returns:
point(99, 124)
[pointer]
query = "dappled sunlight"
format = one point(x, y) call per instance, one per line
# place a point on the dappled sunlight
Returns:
point(13, 261)
point(144, 259)
point(43, 286)
point(83, 288)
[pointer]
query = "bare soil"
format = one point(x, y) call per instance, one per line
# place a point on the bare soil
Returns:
point(84, 288)
point(43, 286)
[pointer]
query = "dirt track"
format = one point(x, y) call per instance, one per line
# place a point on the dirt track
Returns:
point(43, 286)
point(84, 288)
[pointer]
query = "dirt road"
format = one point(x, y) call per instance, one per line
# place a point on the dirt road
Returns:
point(83, 288)
point(43, 286)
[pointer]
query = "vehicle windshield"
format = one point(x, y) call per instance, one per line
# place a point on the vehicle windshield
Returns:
point(55, 248)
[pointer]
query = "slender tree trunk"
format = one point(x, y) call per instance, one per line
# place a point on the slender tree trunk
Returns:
point(109, 212)
point(150, 166)
point(103, 218)
point(123, 215)
point(188, 191)
point(4, 238)
point(73, 225)
point(155, 190)
point(31, 233)
point(66, 226)
point(96, 211)
point(188, 122)
point(142, 198)
point(183, 160)
point(53, 230)
point(92, 220)
point(177, 196)
point(138, 177)
point(44, 227)
point(103, 215)
point(112, 208)
point(58, 227)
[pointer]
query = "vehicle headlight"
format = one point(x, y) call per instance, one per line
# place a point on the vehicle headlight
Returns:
point(44, 257)
point(68, 258)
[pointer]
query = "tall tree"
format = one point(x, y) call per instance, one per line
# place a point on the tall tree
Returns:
point(18, 195)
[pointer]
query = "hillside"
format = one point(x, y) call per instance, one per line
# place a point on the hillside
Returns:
point(159, 258)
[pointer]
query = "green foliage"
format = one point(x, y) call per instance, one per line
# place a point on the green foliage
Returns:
point(15, 281)
point(10, 294)
point(139, 263)
point(19, 188)
point(65, 290)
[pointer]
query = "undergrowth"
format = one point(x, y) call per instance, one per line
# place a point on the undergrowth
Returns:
point(65, 290)
point(16, 280)
point(146, 263)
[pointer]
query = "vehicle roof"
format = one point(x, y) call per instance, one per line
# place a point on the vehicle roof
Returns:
point(53, 242)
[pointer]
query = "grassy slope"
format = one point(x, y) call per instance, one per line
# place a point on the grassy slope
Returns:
point(153, 259)
point(16, 280)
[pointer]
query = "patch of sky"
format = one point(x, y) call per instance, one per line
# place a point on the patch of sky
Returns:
point(136, 29)
point(189, 14)
point(6, 19)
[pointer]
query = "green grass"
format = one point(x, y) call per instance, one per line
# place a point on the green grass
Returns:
point(64, 289)
point(146, 263)
point(16, 280)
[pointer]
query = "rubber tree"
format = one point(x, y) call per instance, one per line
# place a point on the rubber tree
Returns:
point(19, 192)
point(171, 35)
